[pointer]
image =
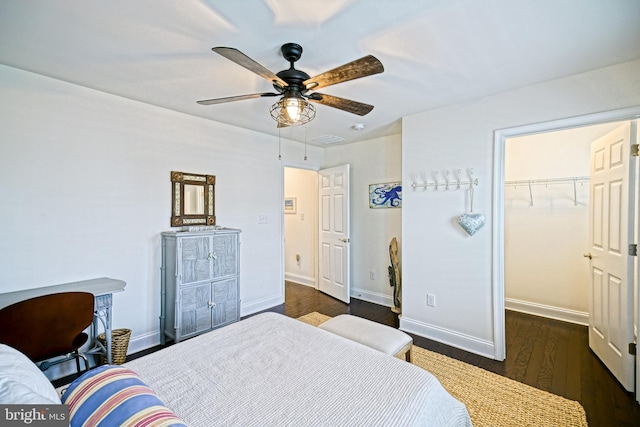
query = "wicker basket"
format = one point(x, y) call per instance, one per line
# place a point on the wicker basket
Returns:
point(119, 345)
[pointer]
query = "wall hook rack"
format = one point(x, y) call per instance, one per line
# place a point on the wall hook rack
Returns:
point(448, 184)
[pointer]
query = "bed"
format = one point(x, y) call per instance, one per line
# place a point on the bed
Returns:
point(271, 370)
point(266, 370)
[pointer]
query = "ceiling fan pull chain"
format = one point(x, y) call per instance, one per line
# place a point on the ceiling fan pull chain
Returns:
point(305, 143)
point(279, 146)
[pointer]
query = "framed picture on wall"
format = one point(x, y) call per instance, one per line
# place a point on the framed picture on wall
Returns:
point(289, 205)
point(387, 195)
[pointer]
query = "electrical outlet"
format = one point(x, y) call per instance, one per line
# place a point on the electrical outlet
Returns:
point(263, 219)
point(431, 300)
point(301, 216)
point(372, 275)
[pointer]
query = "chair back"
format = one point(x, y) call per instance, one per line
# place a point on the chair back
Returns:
point(47, 326)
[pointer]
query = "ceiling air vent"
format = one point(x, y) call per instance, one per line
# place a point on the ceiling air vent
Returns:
point(328, 139)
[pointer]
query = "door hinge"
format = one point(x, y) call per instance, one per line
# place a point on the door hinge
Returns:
point(633, 348)
point(634, 150)
point(633, 249)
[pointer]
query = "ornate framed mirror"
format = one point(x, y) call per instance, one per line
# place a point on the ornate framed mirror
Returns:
point(193, 199)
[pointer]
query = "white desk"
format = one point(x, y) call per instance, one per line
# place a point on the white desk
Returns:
point(102, 290)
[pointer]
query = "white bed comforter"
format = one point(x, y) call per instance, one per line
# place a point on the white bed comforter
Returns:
point(271, 370)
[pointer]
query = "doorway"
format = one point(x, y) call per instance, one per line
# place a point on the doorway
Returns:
point(500, 139)
point(546, 208)
point(300, 225)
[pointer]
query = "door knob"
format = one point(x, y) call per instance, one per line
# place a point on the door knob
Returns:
point(345, 240)
point(587, 255)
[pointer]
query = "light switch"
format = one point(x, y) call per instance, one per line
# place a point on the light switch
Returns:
point(301, 216)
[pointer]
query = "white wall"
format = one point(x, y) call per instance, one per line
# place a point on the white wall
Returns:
point(437, 256)
point(545, 272)
point(85, 190)
point(301, 227)
point(373, 161)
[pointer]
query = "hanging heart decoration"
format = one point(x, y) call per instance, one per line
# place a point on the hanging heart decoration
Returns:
point(471, 222)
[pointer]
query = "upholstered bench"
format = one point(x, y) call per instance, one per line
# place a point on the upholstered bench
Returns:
point(375, 335)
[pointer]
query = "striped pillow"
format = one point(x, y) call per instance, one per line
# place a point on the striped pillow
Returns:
point(115, 396)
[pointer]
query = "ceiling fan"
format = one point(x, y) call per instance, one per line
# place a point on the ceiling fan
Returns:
point(294, 85)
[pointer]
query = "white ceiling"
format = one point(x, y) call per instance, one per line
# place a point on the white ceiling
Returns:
point(435, 52)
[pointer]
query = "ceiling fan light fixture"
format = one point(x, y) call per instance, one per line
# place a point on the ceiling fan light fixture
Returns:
point(293, 85)
point(292, 111)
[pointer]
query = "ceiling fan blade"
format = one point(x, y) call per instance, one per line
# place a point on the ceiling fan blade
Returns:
point(354, 107)
point(362, 67)
point(240, 58)
point(235, 98)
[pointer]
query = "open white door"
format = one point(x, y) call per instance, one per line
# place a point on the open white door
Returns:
point(611, 222)
point(334, 208)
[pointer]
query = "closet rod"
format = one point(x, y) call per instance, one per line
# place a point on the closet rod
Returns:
point(529, 182)
point(548, 181)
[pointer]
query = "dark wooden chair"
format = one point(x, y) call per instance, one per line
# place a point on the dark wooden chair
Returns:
point(49, 326)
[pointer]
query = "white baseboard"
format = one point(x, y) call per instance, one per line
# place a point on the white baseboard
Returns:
point(551, 312)
point(302, 280)
point(144, 342)
point(445, 336)
point(374, 297)
point(260, 305)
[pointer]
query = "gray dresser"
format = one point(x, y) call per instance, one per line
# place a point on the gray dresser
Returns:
point(200, 282)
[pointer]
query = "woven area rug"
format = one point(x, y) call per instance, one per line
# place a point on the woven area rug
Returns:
point(492, 400)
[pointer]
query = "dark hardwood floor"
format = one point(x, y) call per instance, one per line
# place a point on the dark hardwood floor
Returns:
point(547, 354)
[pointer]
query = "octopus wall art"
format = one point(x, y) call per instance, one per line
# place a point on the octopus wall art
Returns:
point(388, 195)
